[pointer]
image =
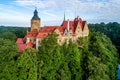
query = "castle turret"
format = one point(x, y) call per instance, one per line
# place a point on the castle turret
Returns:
point(35, 21)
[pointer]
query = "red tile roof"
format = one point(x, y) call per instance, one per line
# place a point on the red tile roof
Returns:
point(71, 23)
point(82, 23)
point(42, 35)
point(48, 29)
point(35, 30)
point(32, 33)
point(61, 29)
point(29, 34)
point(29, 44)
point(21, 47)
point(19, 41)
point(45, 31)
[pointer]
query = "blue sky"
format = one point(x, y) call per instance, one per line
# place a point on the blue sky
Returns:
point(20, 12)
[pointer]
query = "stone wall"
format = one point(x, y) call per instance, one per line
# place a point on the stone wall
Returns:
point(35, 24)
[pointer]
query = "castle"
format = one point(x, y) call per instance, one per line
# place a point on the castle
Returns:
point(66, 31)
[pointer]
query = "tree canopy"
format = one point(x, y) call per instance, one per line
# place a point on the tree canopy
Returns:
point(90, 58)
point(111, 30)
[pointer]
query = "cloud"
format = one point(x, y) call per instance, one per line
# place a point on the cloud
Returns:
point(93, 9)
point(37, 3)
point(12, 16)
point(52, 11)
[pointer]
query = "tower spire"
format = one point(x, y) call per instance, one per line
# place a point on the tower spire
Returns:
point(36, 8)
point(35, 17)
point(64, 15)
point(75, 13)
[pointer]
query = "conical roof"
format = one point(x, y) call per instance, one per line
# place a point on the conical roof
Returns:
point(35, 17)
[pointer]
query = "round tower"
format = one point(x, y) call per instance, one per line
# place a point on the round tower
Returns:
point(35, 21)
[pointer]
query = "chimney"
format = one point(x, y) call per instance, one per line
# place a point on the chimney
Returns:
point(68, 25)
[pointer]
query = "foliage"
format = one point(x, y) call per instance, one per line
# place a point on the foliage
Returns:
point(8, 52)
point(59, 62)
point(91, 58)
point(12, 32)
point(111, 29)
point(102, 58)
point(26, 65)
point(8, 35)
point(49, 58)
point(14, 66)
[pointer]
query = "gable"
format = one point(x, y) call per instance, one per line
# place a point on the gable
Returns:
point(85, 27)
point(78, 28)
point(71, 25)
point(57, 31)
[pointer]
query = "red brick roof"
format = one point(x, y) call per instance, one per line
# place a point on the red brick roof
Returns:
point(19, 41)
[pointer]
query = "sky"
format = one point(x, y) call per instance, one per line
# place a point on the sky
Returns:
point(51, 12)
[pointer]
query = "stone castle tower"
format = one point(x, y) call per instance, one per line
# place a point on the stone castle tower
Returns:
point(35, 21)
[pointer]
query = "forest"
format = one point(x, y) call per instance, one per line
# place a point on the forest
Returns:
point(111, 30)
point(95, 57)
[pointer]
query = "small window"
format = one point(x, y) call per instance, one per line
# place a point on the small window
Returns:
point(59, 40)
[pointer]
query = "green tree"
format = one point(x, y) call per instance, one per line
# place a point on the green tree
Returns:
point(8, 55)
point(26, 65)
point(49, 58)
point(14, 66)
point(73, 57)
point(111, 29)
point(8, 35)
point(101, 58)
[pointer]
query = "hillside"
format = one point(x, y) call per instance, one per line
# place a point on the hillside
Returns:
point(12, 32)
point(91, 58)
